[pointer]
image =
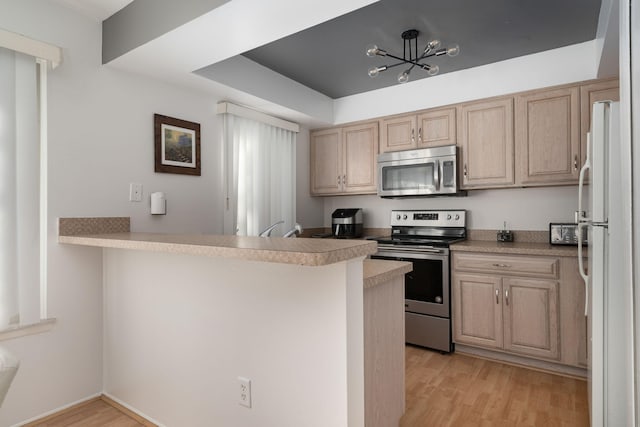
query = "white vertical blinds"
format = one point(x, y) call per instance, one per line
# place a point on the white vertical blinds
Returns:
point(261, 176)
point(20, 242)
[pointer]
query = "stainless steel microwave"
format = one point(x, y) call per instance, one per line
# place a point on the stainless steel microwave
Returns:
point(422, 172)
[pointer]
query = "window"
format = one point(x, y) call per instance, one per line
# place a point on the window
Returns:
point(261, 172)
point(23, 180)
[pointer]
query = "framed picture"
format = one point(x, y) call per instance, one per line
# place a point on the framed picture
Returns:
point(177, 145)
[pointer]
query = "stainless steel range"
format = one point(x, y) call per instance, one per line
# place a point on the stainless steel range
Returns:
point(423, 238)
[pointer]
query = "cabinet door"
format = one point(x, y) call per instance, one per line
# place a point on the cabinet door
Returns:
point(477, 310)
point(360, 153)
point(530, 311)
point(437, 128)
point(486, 139)
point(398, 133)
point(548, 137)
point(326, 161)
point(607, 90)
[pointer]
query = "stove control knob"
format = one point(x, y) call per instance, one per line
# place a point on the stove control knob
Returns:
point(398, 217)
point(457, 217)
point(404, 216)
point(448, 216)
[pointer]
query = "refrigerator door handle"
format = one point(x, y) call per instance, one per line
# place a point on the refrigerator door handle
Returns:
point(585, 277)
point(583, 222)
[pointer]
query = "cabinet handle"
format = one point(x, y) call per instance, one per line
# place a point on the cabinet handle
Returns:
point(497, 296)
point(465, 170)
point(413, 135)
point(506, 296)
point(501, 265)
point(575, 162)
point(339, 179)
point(344, 179)
point(419, 134)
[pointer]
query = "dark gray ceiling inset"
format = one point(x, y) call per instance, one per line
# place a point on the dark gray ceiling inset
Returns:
point(330, 57)
point(144, 20)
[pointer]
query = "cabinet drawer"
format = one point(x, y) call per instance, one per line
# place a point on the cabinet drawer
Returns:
point(535, 266)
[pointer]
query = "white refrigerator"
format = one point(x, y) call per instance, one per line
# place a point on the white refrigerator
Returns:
point(608, 278)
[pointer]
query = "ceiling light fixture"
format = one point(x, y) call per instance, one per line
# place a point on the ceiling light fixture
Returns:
point(410, 38)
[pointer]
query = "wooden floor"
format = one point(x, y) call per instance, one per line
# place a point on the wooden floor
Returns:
point(93, 413)
point(441, 390)
point(458, 390)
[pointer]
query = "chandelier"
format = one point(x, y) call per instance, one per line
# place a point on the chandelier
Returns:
point(410, 38)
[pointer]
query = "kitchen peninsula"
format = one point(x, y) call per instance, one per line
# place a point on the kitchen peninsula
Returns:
point(305, 320)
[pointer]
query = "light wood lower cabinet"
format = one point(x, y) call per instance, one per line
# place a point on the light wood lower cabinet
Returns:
point(499, 304)
point(517, 315)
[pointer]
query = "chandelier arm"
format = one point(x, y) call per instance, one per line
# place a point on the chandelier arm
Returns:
point(406, 61)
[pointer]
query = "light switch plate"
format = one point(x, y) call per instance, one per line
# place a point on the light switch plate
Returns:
point(135, 192)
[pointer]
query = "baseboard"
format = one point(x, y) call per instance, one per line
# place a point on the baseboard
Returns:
point(58, 411)
point(130, 411)
point(109, 400)
point(522, 362)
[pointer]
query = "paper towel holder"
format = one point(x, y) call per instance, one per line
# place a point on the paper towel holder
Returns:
point(158, 203)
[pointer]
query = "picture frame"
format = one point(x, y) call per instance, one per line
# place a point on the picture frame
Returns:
point(177, 145)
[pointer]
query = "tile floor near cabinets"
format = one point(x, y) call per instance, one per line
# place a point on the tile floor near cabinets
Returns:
point(441, 390)
point(458, 391)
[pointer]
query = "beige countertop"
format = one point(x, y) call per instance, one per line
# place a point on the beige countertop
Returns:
point(300, 251)
point(378, 271)
point(520, 248)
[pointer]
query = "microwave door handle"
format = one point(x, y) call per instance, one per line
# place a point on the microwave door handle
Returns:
point(436, 174)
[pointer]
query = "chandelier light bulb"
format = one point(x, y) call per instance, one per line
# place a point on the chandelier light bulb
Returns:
point(434, 44)
point(433, 70)
point(373, 50)
point(374, 71)
point(403, 77)
point(453, 50)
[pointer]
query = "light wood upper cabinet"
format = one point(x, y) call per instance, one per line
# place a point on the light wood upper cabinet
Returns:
point(548, 136)
point(326, 161)
point(437, 127)
point(398, 133)
point(360, 148)
point(430, 128)
point(343, 160)
point(606, 90)
point(486, 140)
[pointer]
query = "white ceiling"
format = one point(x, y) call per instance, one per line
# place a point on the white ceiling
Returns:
point(96, 9)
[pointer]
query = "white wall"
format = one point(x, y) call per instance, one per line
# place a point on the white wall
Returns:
point(295, 331)
point(100, 139)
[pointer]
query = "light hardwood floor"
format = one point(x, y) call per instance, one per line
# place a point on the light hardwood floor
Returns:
point(441, 390)
point(98, 412)
point(459, 390)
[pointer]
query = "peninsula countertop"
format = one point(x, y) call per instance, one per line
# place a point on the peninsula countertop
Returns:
point(300, 251)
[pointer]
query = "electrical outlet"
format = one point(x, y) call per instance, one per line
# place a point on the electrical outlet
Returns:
point(135, 192)
point(244, 398)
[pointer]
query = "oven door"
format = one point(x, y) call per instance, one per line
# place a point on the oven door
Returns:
point(427, 286)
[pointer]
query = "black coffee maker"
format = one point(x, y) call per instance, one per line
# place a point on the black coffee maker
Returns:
point(346, 223)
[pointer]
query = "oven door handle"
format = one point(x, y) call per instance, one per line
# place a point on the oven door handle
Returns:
point(414, 249)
